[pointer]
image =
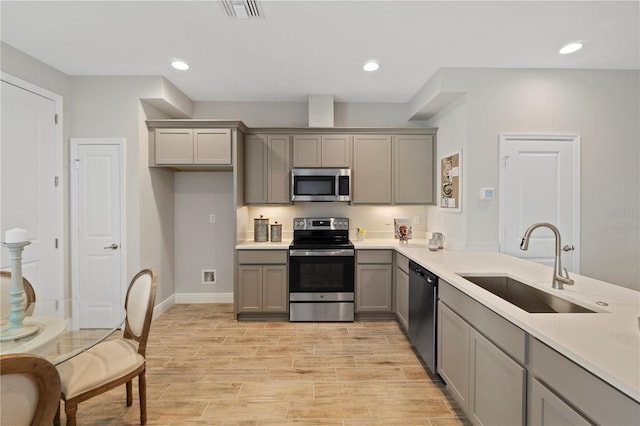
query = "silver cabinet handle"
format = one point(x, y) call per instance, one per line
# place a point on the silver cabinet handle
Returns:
point(568, 247)
point(113, 246)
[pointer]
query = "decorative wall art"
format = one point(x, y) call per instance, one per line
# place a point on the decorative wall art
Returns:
point(451, 182)
point(402, 229)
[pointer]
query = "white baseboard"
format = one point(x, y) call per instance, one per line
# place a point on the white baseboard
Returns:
point(164, 305)
point(203, 298)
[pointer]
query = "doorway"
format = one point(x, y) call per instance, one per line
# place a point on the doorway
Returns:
point(31, 184)
point(97, 221)
point(540, 182)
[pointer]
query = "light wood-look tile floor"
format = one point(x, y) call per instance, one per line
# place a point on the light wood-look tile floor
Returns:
point(205, 368)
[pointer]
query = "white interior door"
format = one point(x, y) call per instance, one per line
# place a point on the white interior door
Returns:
point(31, 192)
point(97, 179)
point(539, 182)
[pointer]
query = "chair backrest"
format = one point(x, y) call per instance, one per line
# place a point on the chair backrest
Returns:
point(5, 287)
point(141, 296)
point(30, 390)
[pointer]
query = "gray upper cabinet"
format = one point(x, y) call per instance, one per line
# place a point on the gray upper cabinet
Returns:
point(413, 169)
point(267, 169)
point(192, 146)
point(371, 172)
point(322, 150)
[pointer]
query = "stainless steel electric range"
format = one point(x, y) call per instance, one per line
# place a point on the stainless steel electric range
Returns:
point(321, 270)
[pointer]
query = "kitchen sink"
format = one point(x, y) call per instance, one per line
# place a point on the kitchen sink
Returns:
point(524, 296)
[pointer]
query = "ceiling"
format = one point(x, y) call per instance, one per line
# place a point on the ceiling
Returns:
point(318, 47)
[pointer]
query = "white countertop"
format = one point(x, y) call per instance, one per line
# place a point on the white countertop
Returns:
point(606, 343)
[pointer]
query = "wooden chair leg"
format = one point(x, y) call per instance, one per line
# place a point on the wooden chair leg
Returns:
point(71, 410)
point(129, 393)
point(56, 419)
point(142, 390)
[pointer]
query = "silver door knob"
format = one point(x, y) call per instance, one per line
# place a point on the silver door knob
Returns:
point(113, 246)
point(568, 247)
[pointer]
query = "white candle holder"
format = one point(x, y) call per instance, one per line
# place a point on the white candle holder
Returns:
point(17, 302)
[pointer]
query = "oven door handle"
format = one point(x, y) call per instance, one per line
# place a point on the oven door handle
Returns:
point(322, 252)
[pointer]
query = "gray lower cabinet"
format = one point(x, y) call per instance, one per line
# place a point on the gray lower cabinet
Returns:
point(497, 385)
point(548, 409)
point(267, 169)
point(561, 389)
point(402, 290)
point(374, 280)
point(453, 354)
point(262, 281)
point(481, 359)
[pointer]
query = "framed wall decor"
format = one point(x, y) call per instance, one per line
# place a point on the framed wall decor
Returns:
point(451, 182)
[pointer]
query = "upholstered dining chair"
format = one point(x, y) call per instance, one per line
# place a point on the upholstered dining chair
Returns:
point(114, 362)
point(29, 293)
point(30, 390)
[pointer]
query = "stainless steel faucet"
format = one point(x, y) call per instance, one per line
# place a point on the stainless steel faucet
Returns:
point(560, 275)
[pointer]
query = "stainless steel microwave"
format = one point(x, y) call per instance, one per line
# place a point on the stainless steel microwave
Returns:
point(321, 184)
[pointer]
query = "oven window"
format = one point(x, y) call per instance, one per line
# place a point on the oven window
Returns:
point(321, 274)
point(314, 185)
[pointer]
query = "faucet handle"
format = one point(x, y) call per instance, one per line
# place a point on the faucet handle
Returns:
point(567, 280)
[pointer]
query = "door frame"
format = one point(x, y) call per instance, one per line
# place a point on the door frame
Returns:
point(574, 138)
point(73, 212)
point(59, 221)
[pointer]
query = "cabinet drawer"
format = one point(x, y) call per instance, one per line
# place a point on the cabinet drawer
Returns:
point(501, 332)
point(262, 256)
point(374, 256)
point(402, 262)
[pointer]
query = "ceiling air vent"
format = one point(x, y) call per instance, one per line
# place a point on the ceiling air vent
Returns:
point(243, 9)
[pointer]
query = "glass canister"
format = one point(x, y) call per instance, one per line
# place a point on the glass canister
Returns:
point(276, 232)
point(261, 229)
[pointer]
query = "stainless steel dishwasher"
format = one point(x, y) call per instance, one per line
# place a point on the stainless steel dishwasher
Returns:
point(423, 297)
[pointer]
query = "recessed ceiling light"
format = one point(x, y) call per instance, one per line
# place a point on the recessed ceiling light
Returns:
point(180, 65)
point(570, 48)
point(371, 66)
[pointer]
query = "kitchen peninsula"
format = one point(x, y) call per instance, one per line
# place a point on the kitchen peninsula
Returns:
point(609, 353)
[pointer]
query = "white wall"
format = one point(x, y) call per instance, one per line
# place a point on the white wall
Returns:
point(602, 106)
point(200, 244)
point(111, 107)
point(296, 114)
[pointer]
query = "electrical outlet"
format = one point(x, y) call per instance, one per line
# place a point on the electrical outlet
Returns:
point(416, 220)
point(212, 218)
point(208, 276)
point(387, 220)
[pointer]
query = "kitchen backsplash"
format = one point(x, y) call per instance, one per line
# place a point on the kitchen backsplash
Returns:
point(370, 217)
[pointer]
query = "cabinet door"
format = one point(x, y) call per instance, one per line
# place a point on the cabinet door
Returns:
point(453, 354)
point(549, 410)
point(307, 151)
point(413, 169)
point(373, 288)
point(212, 146)
point(497, 385)
point(274, 288)
point(402, 297)
point(255, 169)
point(174, 146)
point(336, 151)
point(278, 169)
point(249, 288)
point(371, 169)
